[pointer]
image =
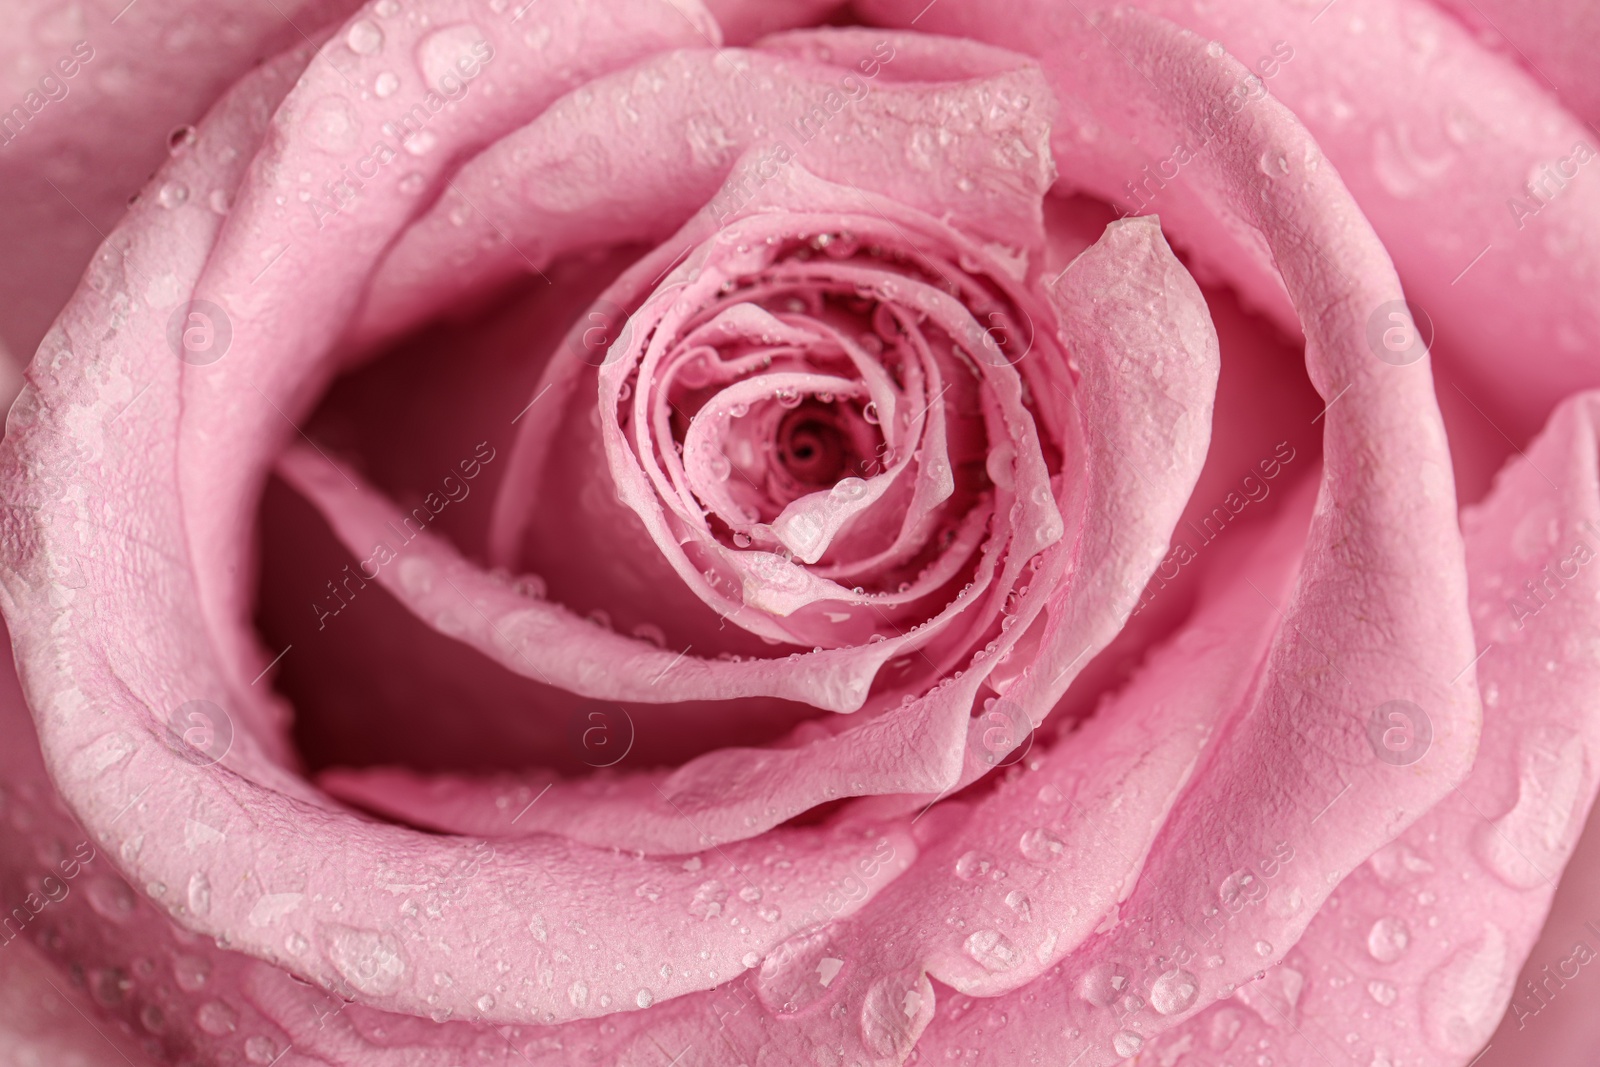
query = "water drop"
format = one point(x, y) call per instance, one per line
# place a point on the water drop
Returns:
point(578, 994)
point(216, 1018)
point(191, 973)
point(1103, 983)
point(172, 194)
point(798, 972)
point(413, 183)
point(1041, 846)
point(364, 37)
point(1127, 1044)
point(1174, 992)
point(1382, 992)
point(442, 55)
point(1263, 948)
point(369, 960)
point(181, 140)
point(385, 84)
point(972, 865)
point(261, 1050)
point(1462, 998)
point(644, 998)
point(1388, 938)
point(708, 900)
point(992, 949)
point(199, 893)
point(888, 1015)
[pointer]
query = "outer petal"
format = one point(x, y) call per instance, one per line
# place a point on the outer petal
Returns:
point(99, 587)
point(1554, 40)
point(1471, 174)
point(1375, 618)
point(1423, 941)
point(136, 74)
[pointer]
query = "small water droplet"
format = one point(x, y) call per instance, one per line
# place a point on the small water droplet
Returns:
point(181, 140)
point(644, 998)
point(413, 183)
point(1382, 992)
point(578, 994)
point(385, 84)
point(1126, 1043)
point(172, 194)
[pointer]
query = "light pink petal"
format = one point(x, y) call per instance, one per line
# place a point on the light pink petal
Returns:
point(1553, 40)
point(1378, 614)
point(115, 653)
point(1436, 137)
point(102, 106)
point(586, 173)
point(289, 272)
point(1423, 942)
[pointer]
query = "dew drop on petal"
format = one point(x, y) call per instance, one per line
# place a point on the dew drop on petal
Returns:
point(364, 37)
point(1388, 938)
point(1174, 992)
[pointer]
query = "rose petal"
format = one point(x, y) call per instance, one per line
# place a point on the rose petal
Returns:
point(564, 183)
point(1486, 857)
point(1385, 495)
point(1437, 139)
point(95, 134)
point(270, 259)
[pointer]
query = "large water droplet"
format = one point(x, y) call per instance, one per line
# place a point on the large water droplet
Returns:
point(1042, 846)
point(889, 1014)
point(992, 949)
point(191, 972)
point(798, 972)
point(112, 898)
point(1174, 992)
point(199, 893)
point(370, 961)
point(973, 865)
point(445, 55)
point(1126, 1043)
point(708, 900)
point(1103, 983)
point(364, 37)
point(1388, 938)
point(1526, 847)
point(216, 1018)
point(1462, 998)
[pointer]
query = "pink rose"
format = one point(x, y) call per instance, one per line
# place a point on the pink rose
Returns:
point(634, 532)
